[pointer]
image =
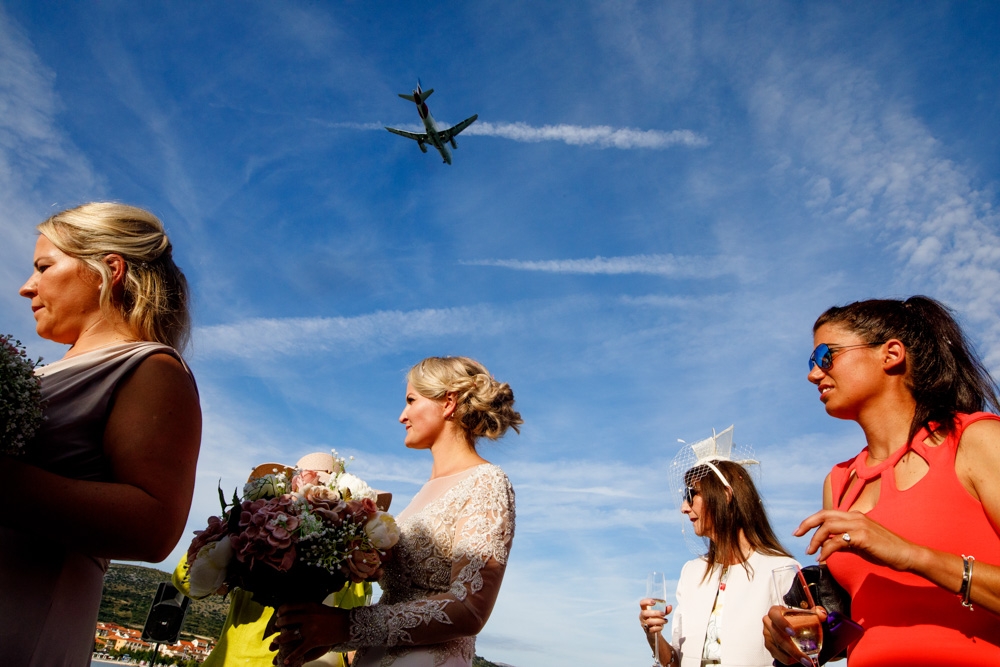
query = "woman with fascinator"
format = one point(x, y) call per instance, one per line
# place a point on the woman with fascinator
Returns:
point(721, 501)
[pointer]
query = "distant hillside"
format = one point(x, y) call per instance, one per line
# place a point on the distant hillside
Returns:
point(129, 591)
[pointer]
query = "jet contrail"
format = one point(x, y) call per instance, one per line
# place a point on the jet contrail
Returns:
point(603, 136)
point(356, 126)
point(600, 135)
point(662, 265)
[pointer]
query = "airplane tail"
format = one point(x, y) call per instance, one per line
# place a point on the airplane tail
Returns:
point(424, 94)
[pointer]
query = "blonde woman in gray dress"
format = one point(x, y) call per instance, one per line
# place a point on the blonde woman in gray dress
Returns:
point(111, 472)
point(442, 582)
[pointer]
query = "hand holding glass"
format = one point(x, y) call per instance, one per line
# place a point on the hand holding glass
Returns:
point(804, 621)
point(656, 589)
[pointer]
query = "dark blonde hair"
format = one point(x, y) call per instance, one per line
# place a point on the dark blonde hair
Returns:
point(485, 407)
point(154, 298)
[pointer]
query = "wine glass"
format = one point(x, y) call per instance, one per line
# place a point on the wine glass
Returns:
point(656, 588)
point(800, 610)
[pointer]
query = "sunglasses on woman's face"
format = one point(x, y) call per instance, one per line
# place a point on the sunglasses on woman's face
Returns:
point(689, 494)
point(822, 356)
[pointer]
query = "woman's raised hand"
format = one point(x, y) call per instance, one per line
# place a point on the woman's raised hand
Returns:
point(855, 532)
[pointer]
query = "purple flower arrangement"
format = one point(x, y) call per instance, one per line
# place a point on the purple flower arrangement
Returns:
point(292, 537)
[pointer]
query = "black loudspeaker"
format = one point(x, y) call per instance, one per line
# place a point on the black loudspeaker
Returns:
point(166, 615)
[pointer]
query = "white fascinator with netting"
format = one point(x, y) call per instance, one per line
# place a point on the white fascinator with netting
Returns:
point(695, 461)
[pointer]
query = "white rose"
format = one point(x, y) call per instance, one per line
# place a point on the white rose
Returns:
point(382, 531)
point(208, 571)
point(356, 487)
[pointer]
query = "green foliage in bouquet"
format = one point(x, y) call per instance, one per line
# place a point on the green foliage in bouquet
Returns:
point(20, 397)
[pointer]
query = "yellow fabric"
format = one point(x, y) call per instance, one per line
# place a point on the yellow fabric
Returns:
point(242, 642)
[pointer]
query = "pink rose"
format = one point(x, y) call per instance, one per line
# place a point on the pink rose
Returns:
point(304, 478)
point(361, 511)
point(331, 512)
point(315, 494)
point(363, 565)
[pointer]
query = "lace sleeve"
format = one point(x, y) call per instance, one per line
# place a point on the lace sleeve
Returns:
point(473, 533)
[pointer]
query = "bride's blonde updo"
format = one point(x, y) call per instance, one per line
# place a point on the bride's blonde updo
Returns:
point(485, 407)
point(154, 297)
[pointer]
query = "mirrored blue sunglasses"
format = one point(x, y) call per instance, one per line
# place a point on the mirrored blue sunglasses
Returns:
point(822, 356)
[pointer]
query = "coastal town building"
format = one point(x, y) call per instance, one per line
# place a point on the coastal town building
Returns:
point(114, 637)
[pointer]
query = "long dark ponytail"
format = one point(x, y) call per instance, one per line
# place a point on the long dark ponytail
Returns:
point(943, 373)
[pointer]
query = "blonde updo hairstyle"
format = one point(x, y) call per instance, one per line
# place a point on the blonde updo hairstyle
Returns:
point(485, 407)
point(153, 300)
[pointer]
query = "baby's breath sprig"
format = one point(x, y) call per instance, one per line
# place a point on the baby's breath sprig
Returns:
point(329, 547)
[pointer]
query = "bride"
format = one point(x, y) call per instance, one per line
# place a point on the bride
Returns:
point(440, 586)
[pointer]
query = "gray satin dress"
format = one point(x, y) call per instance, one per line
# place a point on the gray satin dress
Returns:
point(50, 594)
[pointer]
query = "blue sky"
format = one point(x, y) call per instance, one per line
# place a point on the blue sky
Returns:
point(657, 201)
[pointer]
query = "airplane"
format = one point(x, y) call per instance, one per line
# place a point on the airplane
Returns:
point(439, 139)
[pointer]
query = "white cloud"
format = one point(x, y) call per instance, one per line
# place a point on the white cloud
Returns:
point(869, 163)
point(38, 165)
point(264, 338)
point(676, 302)
point(659, 265)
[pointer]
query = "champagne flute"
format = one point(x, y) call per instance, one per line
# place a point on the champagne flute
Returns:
point(800, 611)
point(656, 588)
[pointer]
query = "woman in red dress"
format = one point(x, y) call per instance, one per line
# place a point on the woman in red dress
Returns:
point(910, 526)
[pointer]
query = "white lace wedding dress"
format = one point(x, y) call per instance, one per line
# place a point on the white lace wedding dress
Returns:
point(440, 587)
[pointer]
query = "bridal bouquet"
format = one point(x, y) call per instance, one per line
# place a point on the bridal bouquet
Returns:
point(293, 537)
point(20, 397)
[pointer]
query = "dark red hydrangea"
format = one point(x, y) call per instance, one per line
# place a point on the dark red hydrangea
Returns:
point(267, 532)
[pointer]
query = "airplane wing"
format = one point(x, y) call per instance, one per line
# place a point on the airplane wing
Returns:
point(446, 135)
point(410, 135)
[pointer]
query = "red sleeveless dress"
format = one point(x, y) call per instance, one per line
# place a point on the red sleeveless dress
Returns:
point(907, 619)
